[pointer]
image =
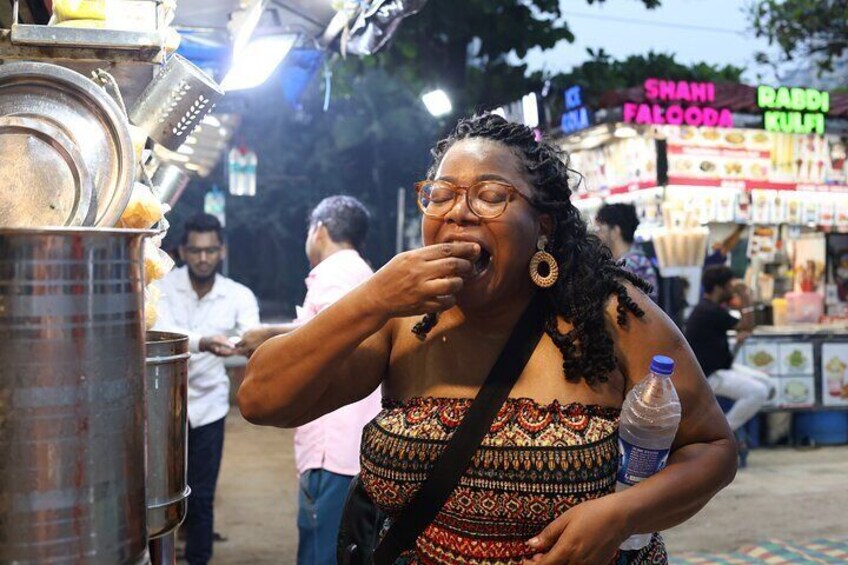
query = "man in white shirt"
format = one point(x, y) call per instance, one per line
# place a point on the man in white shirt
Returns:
point(326, 451)
point(207, 307)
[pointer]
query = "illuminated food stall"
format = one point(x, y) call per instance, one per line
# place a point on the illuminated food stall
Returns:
point(698, 159)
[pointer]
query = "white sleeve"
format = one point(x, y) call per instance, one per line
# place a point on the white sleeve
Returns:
point(247, 317)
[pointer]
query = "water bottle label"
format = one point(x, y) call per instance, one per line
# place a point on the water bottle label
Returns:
point(635, 464)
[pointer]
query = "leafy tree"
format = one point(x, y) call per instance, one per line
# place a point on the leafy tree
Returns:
point(803, 28)
point(466, 47)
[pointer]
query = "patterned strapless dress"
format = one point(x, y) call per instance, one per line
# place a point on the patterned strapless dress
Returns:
point(535, 463)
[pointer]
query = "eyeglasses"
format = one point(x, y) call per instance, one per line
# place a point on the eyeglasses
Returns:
point(486, 200)
point(201, 250)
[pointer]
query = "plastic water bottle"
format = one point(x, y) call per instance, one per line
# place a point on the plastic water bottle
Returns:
point(649, 419)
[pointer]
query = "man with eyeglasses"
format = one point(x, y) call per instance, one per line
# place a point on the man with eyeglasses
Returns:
point(212, 310)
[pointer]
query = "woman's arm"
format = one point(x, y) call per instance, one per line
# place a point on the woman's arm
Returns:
point(702, 462)
point(703, 458)
point(341, 355)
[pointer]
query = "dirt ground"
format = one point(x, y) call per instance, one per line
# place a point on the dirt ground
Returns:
point(785, 494)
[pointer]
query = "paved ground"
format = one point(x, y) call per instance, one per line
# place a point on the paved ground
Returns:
point(784, 493)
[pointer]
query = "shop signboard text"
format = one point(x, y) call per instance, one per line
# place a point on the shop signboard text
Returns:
point(677, 102)
point(793, 110)
point(576, 116)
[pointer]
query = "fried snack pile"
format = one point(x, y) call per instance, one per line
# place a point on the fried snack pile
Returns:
point(143, 210)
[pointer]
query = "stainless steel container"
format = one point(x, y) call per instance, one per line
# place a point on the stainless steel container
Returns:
point(72, 397)
point(169, 182)
point(167, 431)
point(175, 102)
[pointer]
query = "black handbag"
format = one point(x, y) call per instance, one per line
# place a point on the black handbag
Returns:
point(362, 523)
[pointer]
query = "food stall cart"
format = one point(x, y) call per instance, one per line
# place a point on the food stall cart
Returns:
point(94, 420)
point(100, 124)
point(696, 159)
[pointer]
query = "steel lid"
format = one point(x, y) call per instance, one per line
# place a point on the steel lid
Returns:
point(45, 180)
point(85, 114)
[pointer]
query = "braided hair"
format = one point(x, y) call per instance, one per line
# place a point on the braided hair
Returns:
point(588, 275)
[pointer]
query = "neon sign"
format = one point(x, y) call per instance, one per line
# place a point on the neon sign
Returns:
point(793, 110)
point(677, 102)
point(576, 116)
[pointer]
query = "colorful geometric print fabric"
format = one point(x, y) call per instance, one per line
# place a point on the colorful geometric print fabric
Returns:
point(536, 462)
point(775, 552)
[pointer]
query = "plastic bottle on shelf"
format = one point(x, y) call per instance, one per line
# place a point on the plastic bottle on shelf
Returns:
point(650, 416)
point(250, 163)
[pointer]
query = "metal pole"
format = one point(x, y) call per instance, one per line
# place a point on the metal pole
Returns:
point(163, 550)
point(401, 219)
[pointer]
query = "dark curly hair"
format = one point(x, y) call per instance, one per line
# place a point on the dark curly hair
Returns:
point(588, 275)
point(620, 215)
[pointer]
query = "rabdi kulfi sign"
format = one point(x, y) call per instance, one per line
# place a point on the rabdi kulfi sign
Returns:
point(677, 102)
point(793, 110)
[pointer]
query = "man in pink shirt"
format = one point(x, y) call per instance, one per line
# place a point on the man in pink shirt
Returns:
point(327, 450)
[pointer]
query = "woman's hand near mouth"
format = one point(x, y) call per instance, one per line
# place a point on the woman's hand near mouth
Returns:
point(423, 281)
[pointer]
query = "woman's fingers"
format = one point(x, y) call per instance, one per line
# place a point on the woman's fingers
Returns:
point(549, 536)
point(442, 287)
point(451, 266)
point(438, 304)
point(463, 249)
point(424, 280)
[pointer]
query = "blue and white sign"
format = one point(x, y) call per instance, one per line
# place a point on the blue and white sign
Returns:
point(576, 116)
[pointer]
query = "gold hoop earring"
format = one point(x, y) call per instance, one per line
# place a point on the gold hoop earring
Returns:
point(544, 270)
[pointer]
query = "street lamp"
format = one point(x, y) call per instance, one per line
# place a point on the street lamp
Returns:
point(530, 110)
point(437, 102)
point(254, 63)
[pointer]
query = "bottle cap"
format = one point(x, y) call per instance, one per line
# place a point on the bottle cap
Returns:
point(662, 365)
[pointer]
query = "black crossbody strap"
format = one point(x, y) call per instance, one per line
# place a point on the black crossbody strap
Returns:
point(454, 460)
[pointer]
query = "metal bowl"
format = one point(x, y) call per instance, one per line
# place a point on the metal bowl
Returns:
point(87, 115)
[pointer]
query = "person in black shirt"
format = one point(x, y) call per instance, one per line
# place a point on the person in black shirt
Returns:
point(706, 331)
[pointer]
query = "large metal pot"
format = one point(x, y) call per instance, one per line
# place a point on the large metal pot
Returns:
point(72, 397)
point(167, 431)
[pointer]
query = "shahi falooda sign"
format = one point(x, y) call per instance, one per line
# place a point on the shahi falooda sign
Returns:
point(678, 102)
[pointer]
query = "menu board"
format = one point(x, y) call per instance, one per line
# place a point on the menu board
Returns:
point(796, 392)
point(762, 243)
point(796, 358)
point(834, 362)
point(753, 158)
point(808, 263)
point(616, 166)
point(762, 355)
point(790, 364)
point(711, 154)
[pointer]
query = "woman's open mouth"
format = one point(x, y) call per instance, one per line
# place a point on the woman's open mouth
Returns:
point(481, 264)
